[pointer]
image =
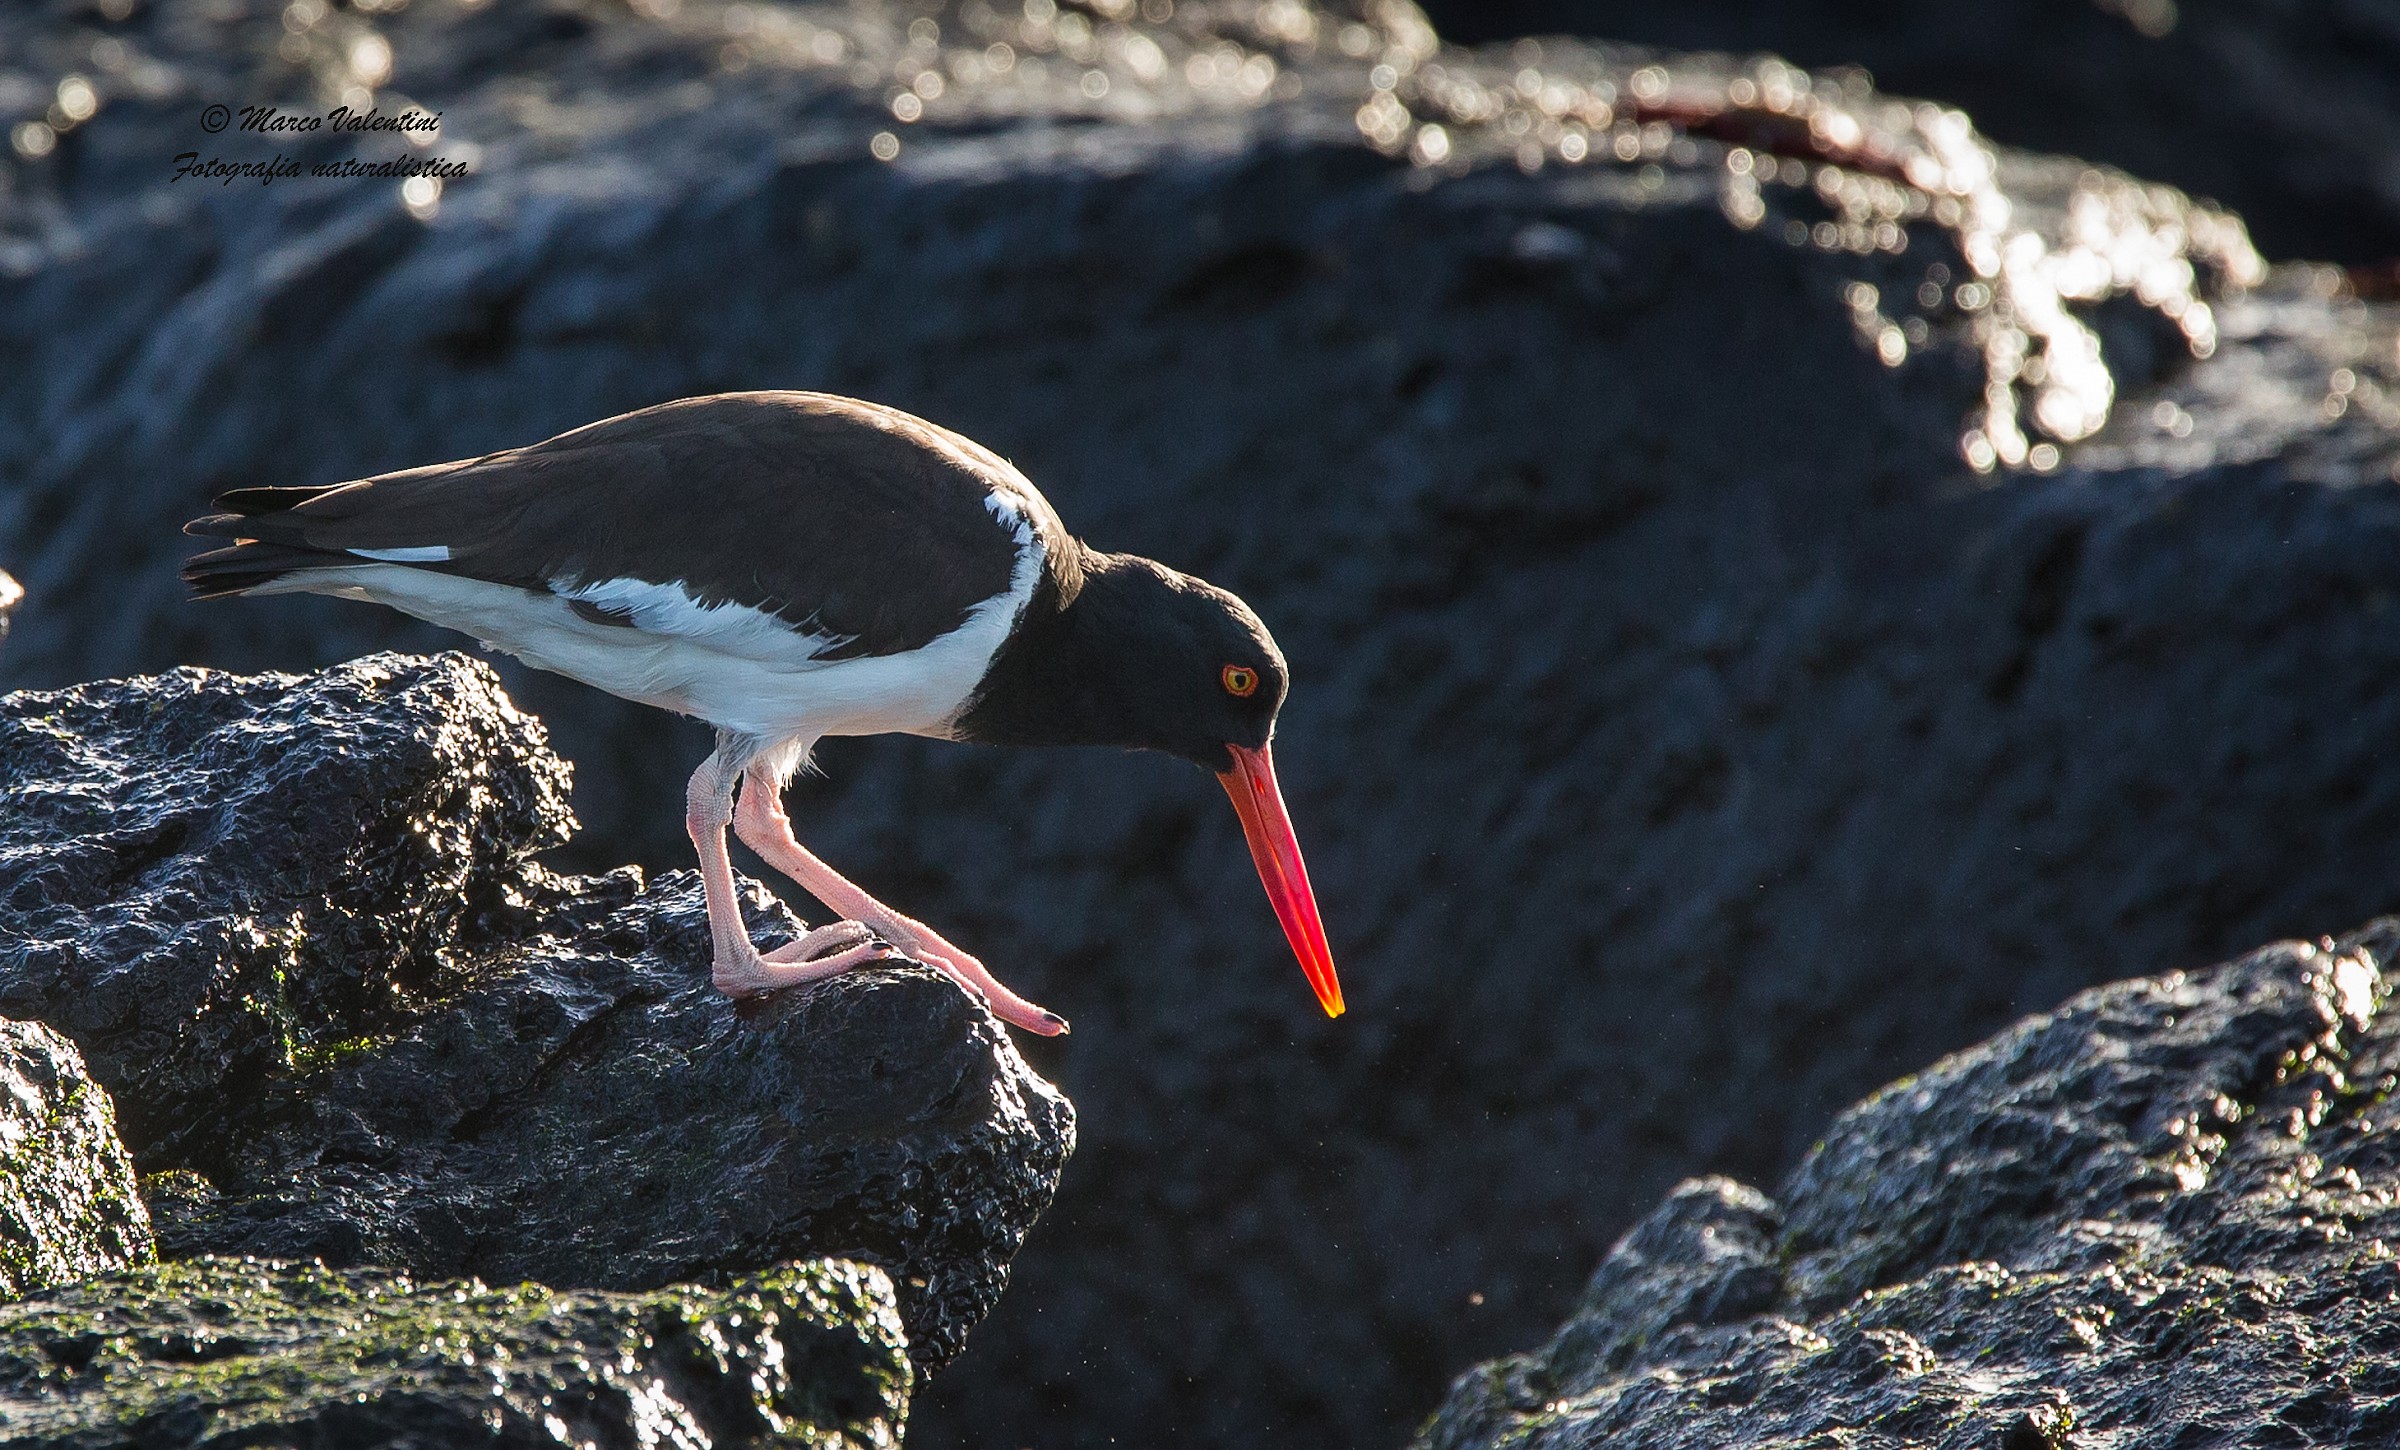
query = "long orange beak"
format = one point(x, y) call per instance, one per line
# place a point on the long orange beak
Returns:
point(1259, 802)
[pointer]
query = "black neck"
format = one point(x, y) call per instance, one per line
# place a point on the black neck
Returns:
point(1069, 675)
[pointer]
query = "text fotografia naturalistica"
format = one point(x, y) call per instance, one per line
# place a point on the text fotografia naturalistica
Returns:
point(283, 168)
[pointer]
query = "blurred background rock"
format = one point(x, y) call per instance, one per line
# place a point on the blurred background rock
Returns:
point(2288, 113)
point(1776, 587)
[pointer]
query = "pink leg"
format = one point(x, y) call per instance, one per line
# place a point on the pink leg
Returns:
point(764, 828)
point(739, 970)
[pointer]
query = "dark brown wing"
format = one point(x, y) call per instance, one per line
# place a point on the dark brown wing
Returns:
point(838, 516)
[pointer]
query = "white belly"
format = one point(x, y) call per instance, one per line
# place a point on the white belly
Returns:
point(737, 668)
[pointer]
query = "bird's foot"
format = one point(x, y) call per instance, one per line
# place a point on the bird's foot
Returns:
point(763, 826)
point(823, 940)
point(930, 947)
point(795, 963)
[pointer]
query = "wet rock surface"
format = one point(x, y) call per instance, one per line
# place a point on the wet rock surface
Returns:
point(204, 875)
point(219, 1352)
point(68, 1206)
point(588, 1111)
point(2163, 1211)
point(295, 920)
point(1621, 518)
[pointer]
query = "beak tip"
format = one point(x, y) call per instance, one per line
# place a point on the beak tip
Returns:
point(1276, 852)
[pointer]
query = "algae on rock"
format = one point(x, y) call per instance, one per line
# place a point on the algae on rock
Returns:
point(68, 1205)
point(241, 1351)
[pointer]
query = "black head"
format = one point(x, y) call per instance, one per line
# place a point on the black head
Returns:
point(1139, 656)
point(1205, 673)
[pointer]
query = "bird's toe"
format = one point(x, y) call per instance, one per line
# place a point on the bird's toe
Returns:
point(835, 936)
point(760, 974)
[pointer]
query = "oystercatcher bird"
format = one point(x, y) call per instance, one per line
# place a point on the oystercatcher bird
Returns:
point(787, 566)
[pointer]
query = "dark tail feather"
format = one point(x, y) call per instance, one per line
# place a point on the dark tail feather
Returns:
point(257, 513)
point(252, 501)
point(267, 541)
point(250, 563)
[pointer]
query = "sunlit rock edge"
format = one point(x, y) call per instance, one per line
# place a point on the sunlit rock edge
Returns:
point(2163, 1213)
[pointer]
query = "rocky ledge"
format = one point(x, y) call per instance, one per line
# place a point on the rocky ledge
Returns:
point(294, 926)
point(2165, 1210)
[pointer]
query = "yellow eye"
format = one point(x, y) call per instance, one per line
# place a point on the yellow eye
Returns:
point(1240, 680)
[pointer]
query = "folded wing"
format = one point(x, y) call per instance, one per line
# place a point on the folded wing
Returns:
point(802, 509)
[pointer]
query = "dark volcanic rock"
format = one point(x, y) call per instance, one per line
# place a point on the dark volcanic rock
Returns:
point(1643, 619)
point(203, 875)
point(444, 1059)
point(587, 1110)
point(221, 1353)
point(2163, 1211)
point(2162, 1214)
point(68, 1208)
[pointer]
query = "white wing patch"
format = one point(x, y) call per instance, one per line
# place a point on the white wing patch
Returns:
point(734, 629)
point(416, 554)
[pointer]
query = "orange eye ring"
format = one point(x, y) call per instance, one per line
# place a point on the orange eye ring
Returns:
point(1240, 681)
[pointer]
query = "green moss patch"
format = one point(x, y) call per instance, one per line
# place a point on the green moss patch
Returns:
point(227, 1351)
